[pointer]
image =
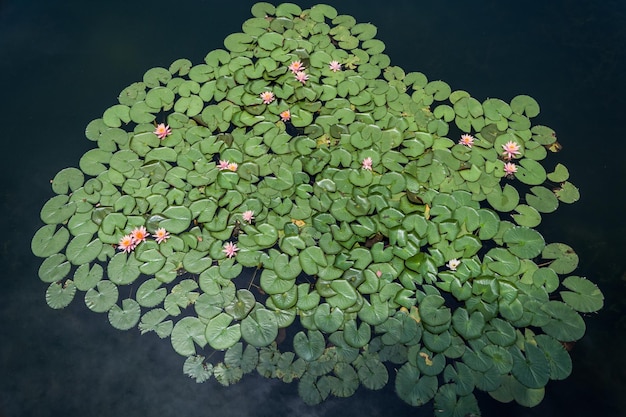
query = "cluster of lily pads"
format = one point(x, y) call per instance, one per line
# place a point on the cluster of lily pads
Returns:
point(298, 206)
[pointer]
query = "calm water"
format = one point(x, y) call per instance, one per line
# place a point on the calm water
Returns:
point(63, 63)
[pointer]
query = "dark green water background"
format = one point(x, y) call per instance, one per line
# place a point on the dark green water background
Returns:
point(62, 63)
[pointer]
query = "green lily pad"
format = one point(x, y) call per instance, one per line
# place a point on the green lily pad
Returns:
point(187, 332)
point(584, 296)
point(260, 328)
point(241, 305)
point(564, 259)
point(101, 298)
point(309, 346)
point(542, 199)
point(83, 249)
point(196, 368)
point(414, 388)
point(452, 405)
point(566, 325)
point(567, 193)
point(125, 317)
point(123, 269)
point(326, 319)
point(505, 199)
point(530, 172)
point(531, 367)
point(49, 240)
point(151, 293)
point(524, 242)
point(371, 371)
point(177, 219)
point(220, 334)
point(60, 295)
point(560, 174)
point(55, 268)
point(466, 325)
point(57, 210)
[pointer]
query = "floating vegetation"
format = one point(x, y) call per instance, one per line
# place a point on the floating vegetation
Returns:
point(297, 206)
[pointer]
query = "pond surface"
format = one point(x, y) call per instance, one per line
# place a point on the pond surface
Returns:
point(64, 62)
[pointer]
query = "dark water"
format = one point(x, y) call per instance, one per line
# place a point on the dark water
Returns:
point(62, 63)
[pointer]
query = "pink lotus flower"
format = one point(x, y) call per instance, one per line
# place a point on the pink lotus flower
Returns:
point(161, 235)
point(223, 165)
point(511, 150)
point(233, 166)
point(379, 273)
point(248, 216)
point(467, 140)
point(367, 164)
point(296, 66)
point(510, 169)
point(230, 249)
point(302, 76)
point(162, 131)
point(334, 66)
point(285, 115)
point(127, 244)
point(267, 97)
point(139, 234)
point(453, 264)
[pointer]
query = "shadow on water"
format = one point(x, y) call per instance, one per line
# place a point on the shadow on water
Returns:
point(63, 63)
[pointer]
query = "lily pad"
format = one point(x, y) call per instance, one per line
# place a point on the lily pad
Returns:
point(524, 242)
point(125, 317)
point(584, 296)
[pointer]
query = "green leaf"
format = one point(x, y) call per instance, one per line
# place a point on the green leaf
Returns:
point(151, 293)
point(524, 104)
point(371, 371)
point(259, 328)
point(48, 241)
point(68, 179)
point(55, 268)
point(414, 388)
point(125, 317)
point(531, 368)
point(309, 346)
point(345, 296)
point(356, 337)
point(527, 216)
point(186, 332)
point(153, 321)
point(466, 325)
point(60, 295)
point(177, 219)
point(196, 368)
point(123, 269)
point(219, 334)
point(530, 172)
point(524, 242)
point(584, 296)
point(504, 262)
point(58, 209)
point(241, 305)
point(287, 269)
point(568, 193)
point(83, 249)
point(326, 319)
point(564, 258)
point(566, 325)
point(560, 174)
point(505, 199)
point(102, 297)
point(450, 405)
